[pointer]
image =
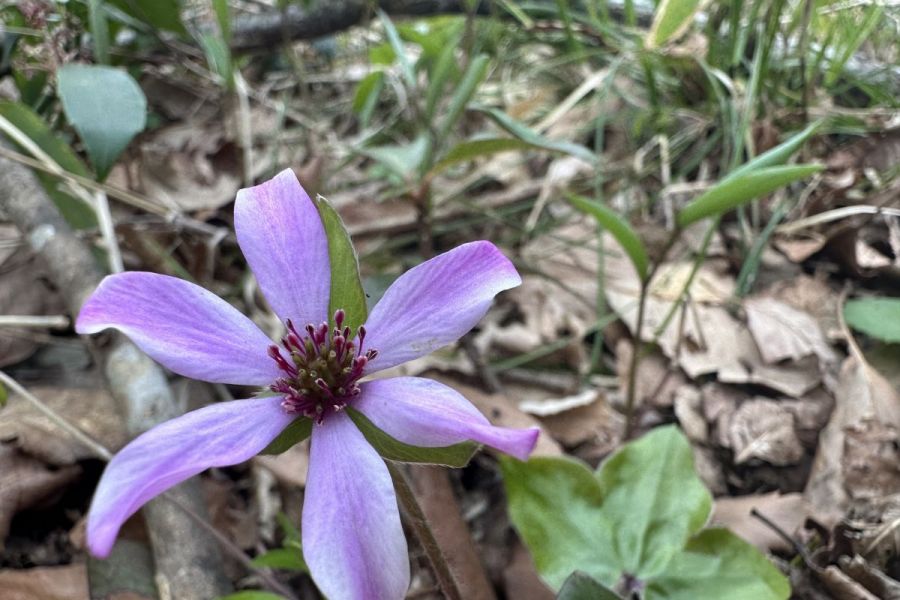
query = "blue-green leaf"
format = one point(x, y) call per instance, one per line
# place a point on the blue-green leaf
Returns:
point(107, 121)
point(876, 317)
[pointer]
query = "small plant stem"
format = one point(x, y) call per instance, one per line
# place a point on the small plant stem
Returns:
point(423, 532)
point(631, 392)
point(104, 454)
point(635, 361)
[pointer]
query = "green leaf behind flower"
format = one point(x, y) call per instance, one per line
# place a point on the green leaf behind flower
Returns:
point(346, 288)
point(457, 455)
point(296, 432)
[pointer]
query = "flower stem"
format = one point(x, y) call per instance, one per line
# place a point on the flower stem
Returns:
point(423, 532)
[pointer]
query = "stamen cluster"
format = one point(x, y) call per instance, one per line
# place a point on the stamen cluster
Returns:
point(322, 368)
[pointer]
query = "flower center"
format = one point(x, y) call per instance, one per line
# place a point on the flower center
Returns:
point(322, 368)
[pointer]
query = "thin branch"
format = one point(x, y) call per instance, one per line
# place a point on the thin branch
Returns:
point(103, 453)
point(96, 447)
point(49, 321)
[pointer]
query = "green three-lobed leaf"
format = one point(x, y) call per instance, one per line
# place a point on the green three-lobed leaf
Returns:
point(639, 517)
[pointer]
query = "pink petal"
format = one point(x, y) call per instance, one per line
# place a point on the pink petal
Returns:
point(181, 325)
point(282, 237)
point(352, 538)
point(437, 302)
point(422, 412)
point(215, 436)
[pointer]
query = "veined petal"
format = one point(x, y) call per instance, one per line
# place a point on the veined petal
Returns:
point(215, 436)
point(181, 325)
point(352, 538)
point(282, 237)
point(436, 302)
point(422, 412)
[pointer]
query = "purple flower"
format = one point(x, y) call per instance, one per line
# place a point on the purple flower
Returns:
point(352, 538)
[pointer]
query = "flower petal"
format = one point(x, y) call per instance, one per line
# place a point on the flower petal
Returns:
point(215, 436)
point(282, 237)
point(436, 302)
point(352, 538)
point(181, 325)
point(422, 412)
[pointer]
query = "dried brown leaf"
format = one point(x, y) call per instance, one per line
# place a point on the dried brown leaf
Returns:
point(45, 583)
point(26, 482)
point(787, 511)
point(763, 429)
point(857, 456)
point(92, 410)
point(783, 332)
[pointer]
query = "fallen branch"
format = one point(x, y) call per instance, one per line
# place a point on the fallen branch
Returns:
point(187, 560)
point(274, 27)
point(262, 31)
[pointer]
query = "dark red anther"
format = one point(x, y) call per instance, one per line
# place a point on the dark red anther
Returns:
point(322, 368)
point(275, 354)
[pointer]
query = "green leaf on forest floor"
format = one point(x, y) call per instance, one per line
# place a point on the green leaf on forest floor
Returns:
point(4, 396)
point(580, 586)
point(74, 210)
point(876, 317)
point(637, 520)
point(107, 121)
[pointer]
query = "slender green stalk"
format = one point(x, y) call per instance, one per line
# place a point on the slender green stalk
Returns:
point(422, 529)
point(635, 361)
point(638, 343)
